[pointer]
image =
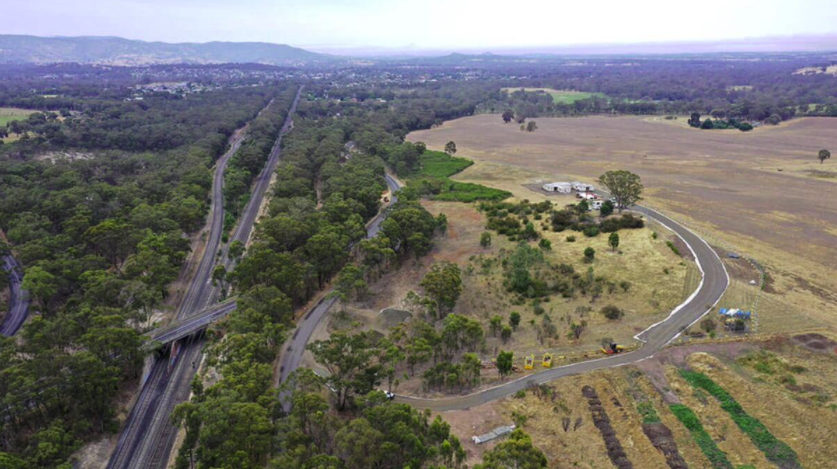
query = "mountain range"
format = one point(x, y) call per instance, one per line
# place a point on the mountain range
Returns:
point(118, 51)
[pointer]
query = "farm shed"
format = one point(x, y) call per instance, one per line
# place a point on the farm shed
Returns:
point(582, 187)
point(561, 187)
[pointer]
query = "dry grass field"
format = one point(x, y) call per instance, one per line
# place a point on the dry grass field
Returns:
point(761, 193)
point(659, 280)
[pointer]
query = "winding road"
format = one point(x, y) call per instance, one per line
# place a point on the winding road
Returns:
point(714, 283)
point(148, 435)
point(18, 298)
point(292, 355)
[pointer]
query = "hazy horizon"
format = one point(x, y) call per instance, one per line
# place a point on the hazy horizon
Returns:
point(369, 27)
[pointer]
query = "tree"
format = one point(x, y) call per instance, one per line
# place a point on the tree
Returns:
point(450, 148)
point(589, 254)
point(495, 324)
point(505, 361)
point(442, 223)
point(531, 126)
point(347, 359)
point(506, 333)
point(514, 319)
point(443, 284)
point(485, 240)
point(612, 312)
point(508, 115)
point(112, 239)
point(694, 120)
point(236, 250)
point(517, 452)
point(625, 187)
point(219, 278)
point(607, 208)
point(41, 284)
point(350, 283)
point(613, 240)
point(823, 155)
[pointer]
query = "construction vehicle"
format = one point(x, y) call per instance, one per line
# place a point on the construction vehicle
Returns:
point(546, 362)
point(613, 349)
point(529, 364)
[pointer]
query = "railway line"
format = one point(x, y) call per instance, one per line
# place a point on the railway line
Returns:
point(148, 436)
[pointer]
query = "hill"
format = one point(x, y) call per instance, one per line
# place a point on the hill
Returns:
point(119, 51)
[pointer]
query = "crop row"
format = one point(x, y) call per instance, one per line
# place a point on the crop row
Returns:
point(776, 451)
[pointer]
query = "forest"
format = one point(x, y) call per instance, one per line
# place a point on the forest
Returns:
point(101, 238)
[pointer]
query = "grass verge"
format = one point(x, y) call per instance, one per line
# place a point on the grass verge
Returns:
point(705, 442)
point(774, 449)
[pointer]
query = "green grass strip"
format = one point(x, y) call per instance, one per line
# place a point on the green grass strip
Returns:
point(437, 167)
point(776, 451)
point(437, 164)
point(707, 445)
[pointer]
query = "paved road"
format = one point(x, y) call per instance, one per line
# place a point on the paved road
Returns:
point(148, 436)
point(292, 355)
point(709, 292)
point(18, 298)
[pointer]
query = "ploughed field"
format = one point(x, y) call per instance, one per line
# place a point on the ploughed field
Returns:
point(762, 192)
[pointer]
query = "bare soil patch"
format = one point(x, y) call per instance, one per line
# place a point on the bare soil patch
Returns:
point(602, 421)
point(816, 342)
point(662, 439)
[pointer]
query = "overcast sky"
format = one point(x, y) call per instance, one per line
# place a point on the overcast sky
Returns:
point(422, 24)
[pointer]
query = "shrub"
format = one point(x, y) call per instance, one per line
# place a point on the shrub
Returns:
point(612, 312)
point(591, 231)
point(673, 247)
point(545, 244)
point(570, 239)
point(589, 254)
point(607, 208)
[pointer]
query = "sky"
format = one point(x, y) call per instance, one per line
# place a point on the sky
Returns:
point(413, 25)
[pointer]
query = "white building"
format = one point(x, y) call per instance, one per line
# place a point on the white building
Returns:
point(596, 204)
point(561, 187)
point(582, 187)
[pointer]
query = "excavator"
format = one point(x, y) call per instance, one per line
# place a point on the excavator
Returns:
point(613, 349)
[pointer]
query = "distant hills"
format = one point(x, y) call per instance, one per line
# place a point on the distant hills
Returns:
point(119, 51)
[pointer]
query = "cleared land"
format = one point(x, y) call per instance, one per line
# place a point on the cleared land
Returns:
point(562, 96)
point(8, 114)
point(659, 280)
point(759, 193)
point(787, 386)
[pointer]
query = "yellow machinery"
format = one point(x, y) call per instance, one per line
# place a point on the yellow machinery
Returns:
point(547, 360)
point(613, 349)
point(529, 364)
